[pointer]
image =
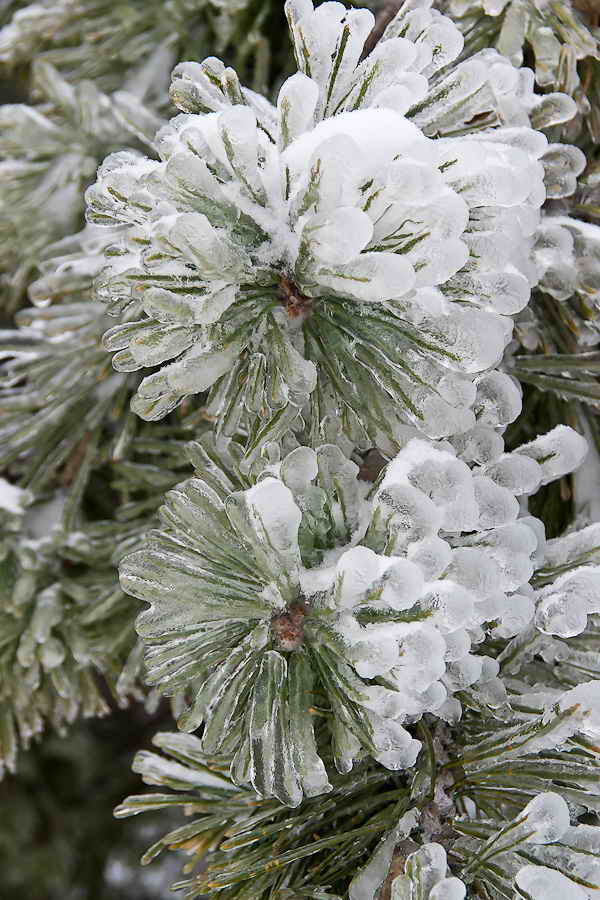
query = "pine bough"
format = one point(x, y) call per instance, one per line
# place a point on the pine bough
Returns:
point(323, 309)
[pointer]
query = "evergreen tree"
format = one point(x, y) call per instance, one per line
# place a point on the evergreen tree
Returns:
point(301, 353)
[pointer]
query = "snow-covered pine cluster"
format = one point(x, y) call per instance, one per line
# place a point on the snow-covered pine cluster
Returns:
point(316, 381)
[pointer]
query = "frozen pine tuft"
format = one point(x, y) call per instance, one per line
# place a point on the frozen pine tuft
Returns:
point(359, 221)
point(561, 37)
point(48, 155)
point(66, 628)
point(376, 598)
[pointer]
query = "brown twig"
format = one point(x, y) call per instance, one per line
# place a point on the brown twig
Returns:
point(401, 854)
point(288, 627)
point(382, 20)
point(75, 460)
point(372, 464)
point(591, 9)
point(296, 304)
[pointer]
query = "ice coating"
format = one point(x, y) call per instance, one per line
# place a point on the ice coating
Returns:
point(425, 877)
point(557, 37)
point(48, 156)
point(67, 384)
point(12, 498)
point(574, 547)
point(367, 882)
point(341, 221)
point(60, 635)
point(564, 606)
point(568, 257)
point(542, 883)
point(384, 593)
point(586, 700)
point(547, 815)
point(557, 452)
